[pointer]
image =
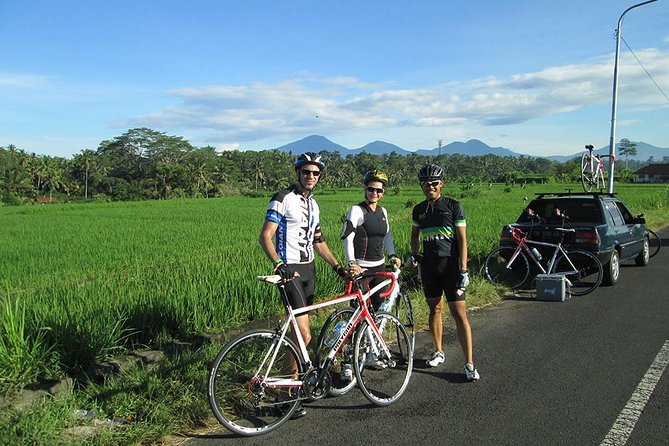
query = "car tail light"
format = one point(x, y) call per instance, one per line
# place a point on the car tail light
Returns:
point(588, 237)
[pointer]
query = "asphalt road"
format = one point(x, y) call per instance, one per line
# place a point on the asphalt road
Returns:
point(552, 373)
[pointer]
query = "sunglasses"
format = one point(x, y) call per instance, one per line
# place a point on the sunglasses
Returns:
point(307, 172)
point(430, 183)
point(371, 189)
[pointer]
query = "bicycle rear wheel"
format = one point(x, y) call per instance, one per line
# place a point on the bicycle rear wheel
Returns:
point(583, 270)
point(654, 243)
point(383, 380)
point(237, 392)
point(497, 270)
point(587, 172)
point(404, 313)
point(340, 384)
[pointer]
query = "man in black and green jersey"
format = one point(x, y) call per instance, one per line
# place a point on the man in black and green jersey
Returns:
point(440, 223)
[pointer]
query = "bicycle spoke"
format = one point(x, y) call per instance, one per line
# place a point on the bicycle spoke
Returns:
point(497, 269)
point(654, 243)
point(582, 269)
point(342, 383)
point(243, 401)
point(383, 379)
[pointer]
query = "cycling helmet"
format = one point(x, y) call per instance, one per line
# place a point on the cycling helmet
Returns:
point(430, 172)
point(310, 158)
point(375, 175)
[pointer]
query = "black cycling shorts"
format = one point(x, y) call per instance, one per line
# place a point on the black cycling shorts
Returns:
point(300, 290)
point(440, 276)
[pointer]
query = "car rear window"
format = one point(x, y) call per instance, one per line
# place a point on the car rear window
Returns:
point(585, 210)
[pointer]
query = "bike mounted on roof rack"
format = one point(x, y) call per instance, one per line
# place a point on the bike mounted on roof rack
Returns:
point(570, 193)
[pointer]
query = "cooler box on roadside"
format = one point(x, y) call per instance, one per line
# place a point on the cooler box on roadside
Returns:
point(552, 287)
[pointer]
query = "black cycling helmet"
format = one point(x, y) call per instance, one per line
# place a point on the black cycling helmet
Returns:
point(430, 172)
point(310, 158)
point(375, 175)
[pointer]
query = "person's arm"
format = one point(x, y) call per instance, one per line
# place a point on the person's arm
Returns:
point(348, 234)
point(461, 237)
point(415, 241)
point(266, 235)
point(323, 250)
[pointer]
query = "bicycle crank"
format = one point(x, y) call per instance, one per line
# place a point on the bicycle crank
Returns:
point(311, 387)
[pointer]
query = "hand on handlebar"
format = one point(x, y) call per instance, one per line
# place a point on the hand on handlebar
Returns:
point(282, 270)
point(395, 262)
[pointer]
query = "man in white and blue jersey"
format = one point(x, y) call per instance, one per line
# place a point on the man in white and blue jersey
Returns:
point(291, 234)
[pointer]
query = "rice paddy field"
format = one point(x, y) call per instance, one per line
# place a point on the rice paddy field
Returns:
point(81, 282)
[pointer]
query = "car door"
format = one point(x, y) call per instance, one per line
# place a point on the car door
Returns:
point(619, 230)
point(636, 230)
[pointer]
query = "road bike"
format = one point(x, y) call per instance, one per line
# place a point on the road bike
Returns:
point(509, 266)
point(592, 170)
point(259, 378)
point(654, 243)
point(397, 303)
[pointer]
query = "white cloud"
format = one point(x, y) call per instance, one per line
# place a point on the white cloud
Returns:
point(329, 106)
point(21, 80)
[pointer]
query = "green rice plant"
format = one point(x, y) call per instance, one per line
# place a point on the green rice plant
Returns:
point(23, 353)
point(105, 277)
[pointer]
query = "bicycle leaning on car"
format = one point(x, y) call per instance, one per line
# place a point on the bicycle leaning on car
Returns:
point(510, 266)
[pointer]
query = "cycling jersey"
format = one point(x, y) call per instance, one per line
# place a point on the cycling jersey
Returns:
point(365, 234)
point(298, 220)
point(437, 222)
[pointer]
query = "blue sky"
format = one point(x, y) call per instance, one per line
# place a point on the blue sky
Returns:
point(532, 76)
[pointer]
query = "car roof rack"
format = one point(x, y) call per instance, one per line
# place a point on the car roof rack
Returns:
point(569, 193)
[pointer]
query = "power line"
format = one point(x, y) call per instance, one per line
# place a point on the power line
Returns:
point(644, 69)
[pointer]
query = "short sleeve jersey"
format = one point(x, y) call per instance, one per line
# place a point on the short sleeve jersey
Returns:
point(298, 220)
point(437, 222)
point(371, 230)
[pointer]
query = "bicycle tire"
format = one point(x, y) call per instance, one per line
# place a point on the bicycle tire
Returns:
point(589, 271)
point(237, 402)
point(383, 380)
point(497, 271)
point(345, 355)
point(654, 243)
point(587, 173)
point(404, 312)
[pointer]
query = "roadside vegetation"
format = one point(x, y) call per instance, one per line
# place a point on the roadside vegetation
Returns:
point(144, 164)
point(84, 283)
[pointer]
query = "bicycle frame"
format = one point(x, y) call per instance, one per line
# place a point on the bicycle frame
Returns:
point(361, 313)
point(595, 166)
point(522, 243)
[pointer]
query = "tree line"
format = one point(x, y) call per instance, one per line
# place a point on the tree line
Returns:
point(146, 164)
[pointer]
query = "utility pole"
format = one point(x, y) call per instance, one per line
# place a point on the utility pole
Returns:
point(439, 146)
point(612, 140)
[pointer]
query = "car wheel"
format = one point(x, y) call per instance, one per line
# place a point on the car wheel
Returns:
point(612, 269)
point(644, 256)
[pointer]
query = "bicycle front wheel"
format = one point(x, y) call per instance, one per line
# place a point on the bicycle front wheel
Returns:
point(404, 313)
point(499, 271)
point(583, 270)
point(587, 172)
point(239, 394)
point(383, 379)
point(654, 243)
point(342, 383)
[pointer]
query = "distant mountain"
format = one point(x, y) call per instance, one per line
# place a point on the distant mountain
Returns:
point(380, 148)
point(644, 152)
point(313, 143)
point(473, 147)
